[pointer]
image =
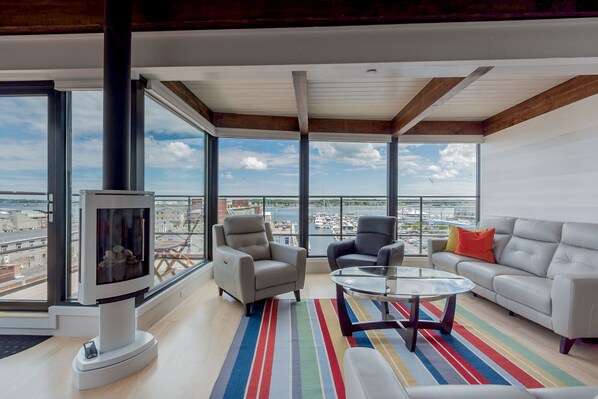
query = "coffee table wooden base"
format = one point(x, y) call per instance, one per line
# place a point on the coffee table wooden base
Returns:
point(411, 325)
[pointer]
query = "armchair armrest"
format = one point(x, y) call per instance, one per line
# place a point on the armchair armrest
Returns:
point(234, 271)
point(391, 254)
point(575, 305)
point(295, 256)
point(337, 249)
point(435, 245)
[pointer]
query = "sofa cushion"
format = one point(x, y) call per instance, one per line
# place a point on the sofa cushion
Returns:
point(578, 251)
point(269, 273)
point(356, 260)
point(247, 234)
point(532, 245)
point(531, 291)
point(453, 237)
point(483, 273)
point(476, 244)
point(448, 261)
point(502, 224)
point(504, 228)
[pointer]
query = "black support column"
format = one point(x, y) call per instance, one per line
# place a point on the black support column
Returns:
point(393, 177)
point(211, 190)
point(117, 94)
point(137, 177)
point(304, 191)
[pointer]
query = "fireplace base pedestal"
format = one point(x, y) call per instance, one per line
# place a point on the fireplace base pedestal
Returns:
point(122, 350)
point(115, 365)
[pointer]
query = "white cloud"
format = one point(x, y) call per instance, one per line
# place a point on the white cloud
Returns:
point(17, 155)
point(253, 163)
point(350, 153)
point(172, 154)
point(229, 158)
point(27, 114)
point(454, 159)
point(291, 149)
point(228, 175)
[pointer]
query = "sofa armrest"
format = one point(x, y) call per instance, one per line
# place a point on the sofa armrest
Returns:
point(435, 245)
point(575, 306)
point(368, 375)
point(391, 254)
point(337, 249)
point(234, 271)
point(295, 256)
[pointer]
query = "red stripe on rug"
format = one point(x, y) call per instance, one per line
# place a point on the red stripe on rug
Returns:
point(332, 359)
point(350, 339)
point(520, 375)
point(462, 366)
point(267, 373)
point(258, 357)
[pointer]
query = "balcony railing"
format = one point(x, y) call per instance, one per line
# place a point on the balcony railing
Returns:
point(335, 217)
point(180, 227)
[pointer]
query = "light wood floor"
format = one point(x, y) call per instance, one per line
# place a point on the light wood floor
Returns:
point(194, 340)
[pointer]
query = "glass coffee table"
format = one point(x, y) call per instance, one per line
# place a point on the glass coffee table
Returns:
point(399, 284)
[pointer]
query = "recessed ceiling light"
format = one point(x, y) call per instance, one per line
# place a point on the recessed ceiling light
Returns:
point(371, 71)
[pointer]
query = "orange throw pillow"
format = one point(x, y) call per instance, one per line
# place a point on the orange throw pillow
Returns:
point(476, 244)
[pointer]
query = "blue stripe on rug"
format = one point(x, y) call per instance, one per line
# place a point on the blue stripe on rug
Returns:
point(244, 361)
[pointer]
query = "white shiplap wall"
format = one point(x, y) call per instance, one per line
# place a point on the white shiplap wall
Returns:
point(545, 168)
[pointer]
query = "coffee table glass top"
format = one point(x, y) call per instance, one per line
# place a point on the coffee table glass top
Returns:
point(398, 282)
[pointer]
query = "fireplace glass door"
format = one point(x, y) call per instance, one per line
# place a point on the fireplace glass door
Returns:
point(122, 244)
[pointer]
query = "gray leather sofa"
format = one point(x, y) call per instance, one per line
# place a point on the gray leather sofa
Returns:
point(374, 244)
point(250, 266)
point(546, 272)
point(368, 375)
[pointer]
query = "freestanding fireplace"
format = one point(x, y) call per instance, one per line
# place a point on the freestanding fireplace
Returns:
point(116, 244)
point(117, 248)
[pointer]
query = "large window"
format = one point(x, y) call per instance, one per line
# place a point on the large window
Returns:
point(174, 171)
point(437, 188)
point(346, 180)
point(23, 198)
point(261, 177)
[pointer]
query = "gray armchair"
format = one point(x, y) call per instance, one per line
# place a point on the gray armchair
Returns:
point(374, 245)
point(249, 265)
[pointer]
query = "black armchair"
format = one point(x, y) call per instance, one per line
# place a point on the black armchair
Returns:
point(374, 245)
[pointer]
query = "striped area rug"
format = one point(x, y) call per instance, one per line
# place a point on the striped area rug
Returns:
point(288, 349)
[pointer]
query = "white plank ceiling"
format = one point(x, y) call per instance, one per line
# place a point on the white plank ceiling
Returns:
point(379, 97)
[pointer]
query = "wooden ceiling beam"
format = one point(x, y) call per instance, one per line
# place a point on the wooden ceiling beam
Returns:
point(190, 99)
point(323, 125)
point(76, 16)
point(291, 124)
point(300, 84)
point(434, 94)
point(576, 89)
point(256, 122)
point(446, 128)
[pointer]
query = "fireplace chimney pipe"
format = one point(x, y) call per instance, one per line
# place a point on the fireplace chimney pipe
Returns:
point(117, 94)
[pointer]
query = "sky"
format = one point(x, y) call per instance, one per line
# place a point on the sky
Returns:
point(174, 161)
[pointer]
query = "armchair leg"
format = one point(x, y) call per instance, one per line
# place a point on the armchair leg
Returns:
point(247, 309)
point(220, 291)
point(566, 344)
point(297, 295)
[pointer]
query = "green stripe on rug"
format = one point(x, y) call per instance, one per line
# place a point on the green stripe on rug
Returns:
point(310, 371)
point(559, 374)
